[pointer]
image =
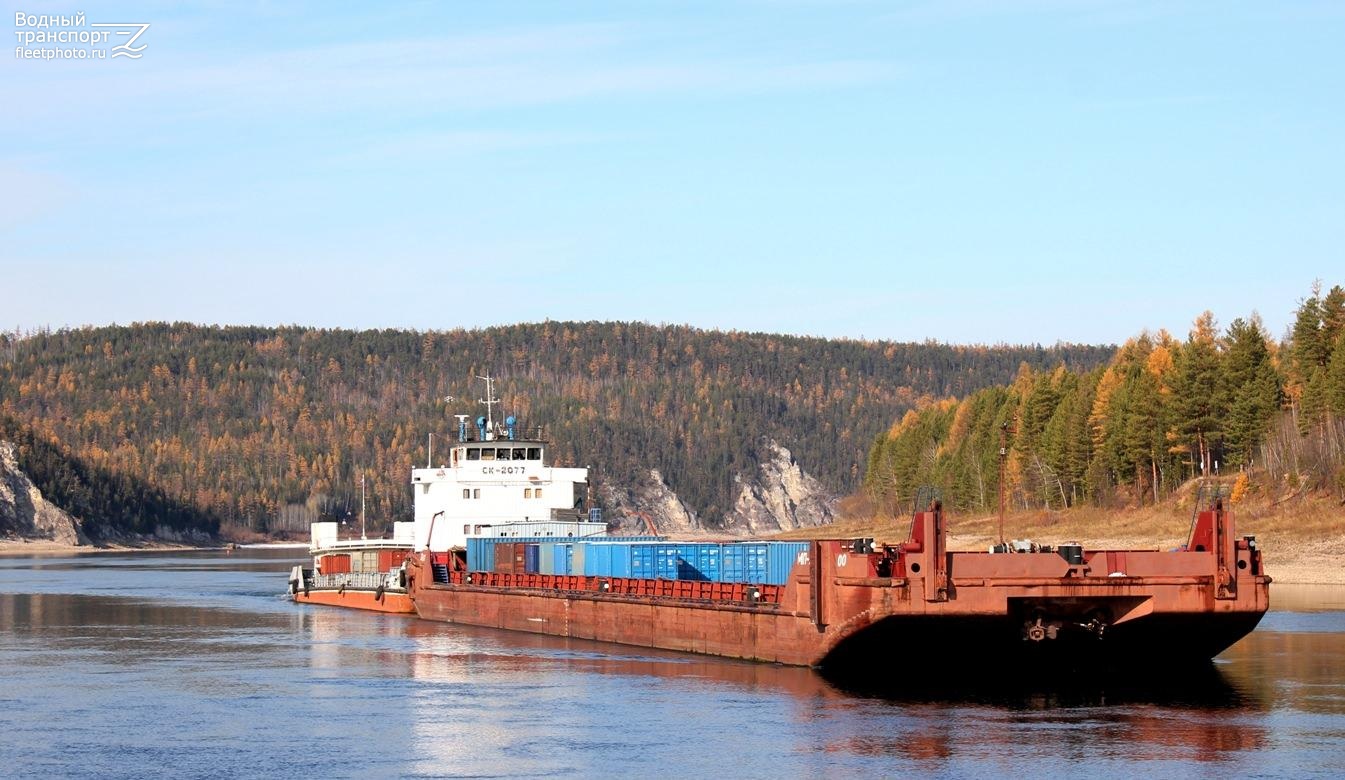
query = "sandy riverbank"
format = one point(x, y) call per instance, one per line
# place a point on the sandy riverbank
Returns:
point(44, 547)
point(47, 547)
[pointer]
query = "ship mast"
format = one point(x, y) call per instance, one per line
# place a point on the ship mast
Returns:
point(490, 400)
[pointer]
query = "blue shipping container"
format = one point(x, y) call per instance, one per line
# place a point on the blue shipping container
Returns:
point(607, 560)
point(767, 563)
point(666, 557)
point(783, 556)
point(744, 562)
point(655, 561)
point(641, 561)
point(598, 560)
point(699, 562)
point(561, 556)
point(481, 550)
point(764, 563)
point(480, 555)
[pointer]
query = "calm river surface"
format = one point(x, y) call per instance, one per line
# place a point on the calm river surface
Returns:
point(196, 665)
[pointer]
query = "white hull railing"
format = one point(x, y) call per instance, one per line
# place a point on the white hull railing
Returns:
point(357, 580)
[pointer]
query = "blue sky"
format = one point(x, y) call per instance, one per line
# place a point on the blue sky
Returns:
point(966, 171)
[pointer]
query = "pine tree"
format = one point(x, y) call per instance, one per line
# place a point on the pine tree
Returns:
point(1309, 353)
point(1199, 400)
point(1335, 379)
point(1333, 318)
point(1143, 436)
point(1253, 387)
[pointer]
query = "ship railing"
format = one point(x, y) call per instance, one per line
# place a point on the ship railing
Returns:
point(682, 590)
point(358, 580)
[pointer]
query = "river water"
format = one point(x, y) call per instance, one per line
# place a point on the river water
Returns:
point(196, 665)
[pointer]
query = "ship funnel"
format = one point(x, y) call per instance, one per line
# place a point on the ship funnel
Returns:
point(510, 422)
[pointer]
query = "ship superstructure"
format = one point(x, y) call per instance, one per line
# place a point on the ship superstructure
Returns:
point(494, 481)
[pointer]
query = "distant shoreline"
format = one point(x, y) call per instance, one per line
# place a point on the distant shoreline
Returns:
point(21, 547)
point(1298, 569)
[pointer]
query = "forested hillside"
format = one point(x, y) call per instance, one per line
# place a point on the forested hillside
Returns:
point(265, 428)
point(1162, 411)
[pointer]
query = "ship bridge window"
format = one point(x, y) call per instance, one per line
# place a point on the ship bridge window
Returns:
point(487, 453)
point(534, 453)
point(537, 493)
point(466, 493)
point(473, 453)
point(520, 453)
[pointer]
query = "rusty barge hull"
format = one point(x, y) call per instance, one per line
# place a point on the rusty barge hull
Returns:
point(876, 621)
point(352, 598)
point(711, 629)
point(843, 607)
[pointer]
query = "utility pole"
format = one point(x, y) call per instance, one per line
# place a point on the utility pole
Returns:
point(1004, 431)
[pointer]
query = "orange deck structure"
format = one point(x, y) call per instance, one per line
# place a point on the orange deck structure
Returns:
point(359, 599)
point(848, 605)
point(377, 582)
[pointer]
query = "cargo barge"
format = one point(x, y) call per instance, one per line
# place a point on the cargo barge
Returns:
point(849, 604)
point(502, 540)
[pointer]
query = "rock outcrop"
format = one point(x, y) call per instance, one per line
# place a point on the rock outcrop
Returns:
point(24, 513)
point(779, 497)
point(628, 505)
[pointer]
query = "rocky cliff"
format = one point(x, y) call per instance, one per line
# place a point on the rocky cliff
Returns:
point(779, 497)
point(24, 513)
point(632, 507)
